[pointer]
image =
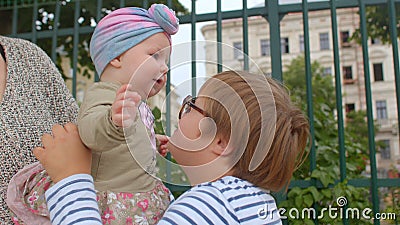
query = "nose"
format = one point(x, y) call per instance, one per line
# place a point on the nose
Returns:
point(163, 68)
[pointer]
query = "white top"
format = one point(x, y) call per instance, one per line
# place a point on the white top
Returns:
point(229, 200)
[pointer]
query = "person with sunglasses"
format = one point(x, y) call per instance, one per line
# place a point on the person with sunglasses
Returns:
point(239, 139)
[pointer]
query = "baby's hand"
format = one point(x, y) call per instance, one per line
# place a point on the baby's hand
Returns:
point(123, 110)
point(163, 141)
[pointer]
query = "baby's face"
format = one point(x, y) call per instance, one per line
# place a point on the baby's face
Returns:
point(145, 65)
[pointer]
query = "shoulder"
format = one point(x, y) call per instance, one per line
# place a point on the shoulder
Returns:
point(17, 45)
point(203, 204)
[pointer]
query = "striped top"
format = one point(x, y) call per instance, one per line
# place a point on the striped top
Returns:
point(229, 200)
point(73, 201)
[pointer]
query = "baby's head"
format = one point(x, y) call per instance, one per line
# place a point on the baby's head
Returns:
point(124, 41)
point(260, 136)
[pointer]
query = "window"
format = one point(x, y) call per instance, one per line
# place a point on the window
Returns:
point(327, 71)
point(381, 110)
point(347, 74)
point(345, 38)
point(324, 41)
point(237, 51)
point(378, 72)
point(301, 38)
point(350, 107)
point(265, 47)
point(385, 150)
point(376, 41)
point(284, 45)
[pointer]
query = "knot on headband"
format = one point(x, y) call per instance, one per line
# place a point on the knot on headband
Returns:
point(124, 28)
point(165, 17)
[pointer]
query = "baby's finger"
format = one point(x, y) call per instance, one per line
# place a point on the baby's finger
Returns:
point(123, 88)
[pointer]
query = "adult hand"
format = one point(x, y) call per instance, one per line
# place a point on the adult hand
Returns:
point(63, 154)
point(123, 109)
point(163, 141)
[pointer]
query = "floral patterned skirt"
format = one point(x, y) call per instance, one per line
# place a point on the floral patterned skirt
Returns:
point(115, 208)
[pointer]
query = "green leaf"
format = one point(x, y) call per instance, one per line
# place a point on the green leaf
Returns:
point(315, 194)
point(157, 113)
point(308, 200)
point(327, 193)
point(298, 201)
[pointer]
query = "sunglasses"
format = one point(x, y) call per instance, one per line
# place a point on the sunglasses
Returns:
point(189, 104)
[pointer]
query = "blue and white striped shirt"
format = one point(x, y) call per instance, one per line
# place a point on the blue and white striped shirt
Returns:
point(73, 201)
point(229, 200)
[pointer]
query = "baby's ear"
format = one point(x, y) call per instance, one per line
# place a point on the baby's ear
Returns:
point(221, 147)
point(116, 62)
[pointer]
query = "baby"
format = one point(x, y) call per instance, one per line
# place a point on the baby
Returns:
point(130, 48)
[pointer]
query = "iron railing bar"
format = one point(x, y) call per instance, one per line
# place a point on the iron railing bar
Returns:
point(55, 32)
point(245, 34)
point(370, 120)
point(14, 20)
point(34, 18)
point(275, 38)
point(193, 44)
point(338, 88)
point(75, 47)
point(395, 48)
point(219, 36)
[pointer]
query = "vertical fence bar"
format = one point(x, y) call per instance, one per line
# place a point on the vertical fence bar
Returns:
point(371, 135)
point(308, 74)
point(15, 19)
point(338, 87)
point(34, 18)
point(145, 4)
point(395, 48)
point(98, 18)
point(75, 47)
point(122, 3)
point(193, 23)
point(310, 108)
point(219, 36)
point(55, 32)
point(168, 114)
point(245, 37)
point(338, 92)
point(275, 38)
point(169, 3)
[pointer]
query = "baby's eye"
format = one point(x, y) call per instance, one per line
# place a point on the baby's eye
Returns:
point(155, 55)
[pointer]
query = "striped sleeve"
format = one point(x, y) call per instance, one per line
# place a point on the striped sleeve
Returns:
point(199, 206)
point(73, 201)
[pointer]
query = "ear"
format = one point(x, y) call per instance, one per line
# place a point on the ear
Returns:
point(116, 62)
point(220, 146)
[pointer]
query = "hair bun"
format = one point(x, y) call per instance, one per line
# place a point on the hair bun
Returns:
point(165, 17)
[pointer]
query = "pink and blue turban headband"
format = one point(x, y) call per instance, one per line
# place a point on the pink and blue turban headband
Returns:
point(124, 28)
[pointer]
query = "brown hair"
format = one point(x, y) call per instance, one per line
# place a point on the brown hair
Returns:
point(267, 132)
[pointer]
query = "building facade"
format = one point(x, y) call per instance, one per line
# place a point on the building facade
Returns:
point(321, 50)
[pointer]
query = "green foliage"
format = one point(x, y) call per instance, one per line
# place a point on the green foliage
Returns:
point(378, 23)
point(327, 170)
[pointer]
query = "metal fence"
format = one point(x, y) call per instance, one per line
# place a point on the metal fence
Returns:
point(273, 12)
